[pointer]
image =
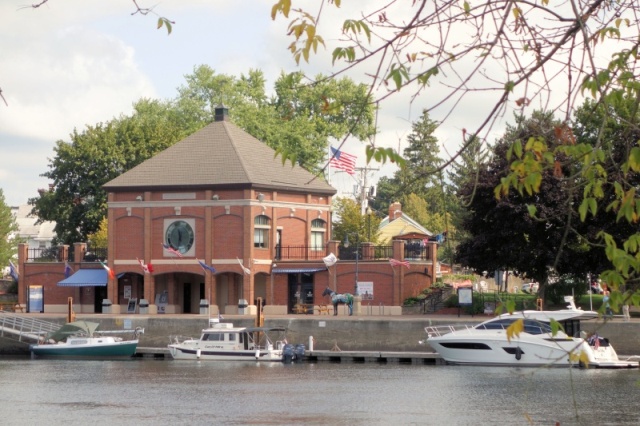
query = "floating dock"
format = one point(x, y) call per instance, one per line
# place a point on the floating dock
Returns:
point(381, 357)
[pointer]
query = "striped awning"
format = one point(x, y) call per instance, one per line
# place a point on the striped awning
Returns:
point(86, 278)
point(298, 270)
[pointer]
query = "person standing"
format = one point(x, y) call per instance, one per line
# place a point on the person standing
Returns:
point(605, 299)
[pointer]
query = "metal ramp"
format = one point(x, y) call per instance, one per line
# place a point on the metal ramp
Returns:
point(23, 328)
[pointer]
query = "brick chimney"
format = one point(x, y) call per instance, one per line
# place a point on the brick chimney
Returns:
point(221, 113)
point(395, 211)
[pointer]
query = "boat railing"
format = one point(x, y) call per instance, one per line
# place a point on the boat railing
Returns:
point(134, 332)
point(440, 330)
point(177, 339)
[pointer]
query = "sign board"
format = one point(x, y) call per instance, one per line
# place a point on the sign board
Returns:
point(365, 290)
point(127, 292)
point(465, 296)
point(35, 302)
point(131, 307)
point(162, 299)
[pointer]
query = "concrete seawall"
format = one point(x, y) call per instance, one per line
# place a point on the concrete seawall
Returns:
point(367, 333)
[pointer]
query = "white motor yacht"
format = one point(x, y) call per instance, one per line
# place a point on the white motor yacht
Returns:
point(536, 345)
point(224, 342)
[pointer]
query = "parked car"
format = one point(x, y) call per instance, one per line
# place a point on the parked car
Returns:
point(530, 288)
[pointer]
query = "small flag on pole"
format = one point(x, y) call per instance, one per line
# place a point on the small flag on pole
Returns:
point(171, 250)
point(112, 275)
point(343, 161)
point(206, 267)
point(246, 270)
point(13, 271)
point(395, 262)
point(330, 260)
point(146, 268)
point(67, 270)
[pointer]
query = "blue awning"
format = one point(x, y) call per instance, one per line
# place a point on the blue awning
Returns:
point(297, 270)
point(86, 278)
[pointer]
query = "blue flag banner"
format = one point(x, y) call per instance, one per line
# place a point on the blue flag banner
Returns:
point(13, 271)
point(206, 267)
point(67, 270)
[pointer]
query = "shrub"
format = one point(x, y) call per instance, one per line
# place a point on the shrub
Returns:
point(566, 285)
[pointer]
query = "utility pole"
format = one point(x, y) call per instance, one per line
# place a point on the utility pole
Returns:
point(363, 187)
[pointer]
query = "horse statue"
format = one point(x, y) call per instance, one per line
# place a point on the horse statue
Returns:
point(339, 299)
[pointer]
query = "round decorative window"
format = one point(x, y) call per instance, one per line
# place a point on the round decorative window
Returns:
point(180, 236)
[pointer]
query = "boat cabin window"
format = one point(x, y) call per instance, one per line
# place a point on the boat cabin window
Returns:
point(215, 337)
point(571, 327)
point(530, 326)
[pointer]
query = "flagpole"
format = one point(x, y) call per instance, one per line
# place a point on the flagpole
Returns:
point(329, 167)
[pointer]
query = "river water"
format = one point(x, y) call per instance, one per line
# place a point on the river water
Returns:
point(166, 392)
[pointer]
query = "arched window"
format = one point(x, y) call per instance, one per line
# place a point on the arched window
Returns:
point(318, 231)
point(261, 228)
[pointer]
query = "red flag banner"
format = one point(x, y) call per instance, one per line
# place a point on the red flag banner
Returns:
point(395, 262)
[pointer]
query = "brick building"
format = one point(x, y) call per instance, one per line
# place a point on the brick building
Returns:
point(221, 198)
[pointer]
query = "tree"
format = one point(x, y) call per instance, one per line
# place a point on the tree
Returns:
point(547, 234)
point(509, 56)
point(8, 228)
point(77, 202)
point(99, 239)
point(348, 220)
point(502, 232)
point(102, 152)
point(419, 174)
point(297, 121)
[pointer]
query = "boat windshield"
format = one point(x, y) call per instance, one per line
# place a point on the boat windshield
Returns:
point(530, 326)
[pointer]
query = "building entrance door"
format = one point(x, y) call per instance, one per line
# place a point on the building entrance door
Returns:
point(300, 290)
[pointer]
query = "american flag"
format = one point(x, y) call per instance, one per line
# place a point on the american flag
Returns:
point(171, 250)
point(343, 161)
point(395, 262)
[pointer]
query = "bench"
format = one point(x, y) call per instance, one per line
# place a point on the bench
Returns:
point(324, 309)
point(302, 308)
point(18, 307)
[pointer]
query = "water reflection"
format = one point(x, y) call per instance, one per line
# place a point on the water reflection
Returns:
point(234, 393)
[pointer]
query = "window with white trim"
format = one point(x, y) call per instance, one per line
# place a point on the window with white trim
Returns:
point(261, 229)
point(318, 230)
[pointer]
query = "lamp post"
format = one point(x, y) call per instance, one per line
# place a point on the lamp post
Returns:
point(346, 244)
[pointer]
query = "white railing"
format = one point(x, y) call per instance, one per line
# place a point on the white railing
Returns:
point(22, 328)
point(440, 330)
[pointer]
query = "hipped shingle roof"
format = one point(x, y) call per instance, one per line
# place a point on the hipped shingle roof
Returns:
point(219, 155)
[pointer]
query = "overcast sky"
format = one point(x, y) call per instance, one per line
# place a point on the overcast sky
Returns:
point(72, 63)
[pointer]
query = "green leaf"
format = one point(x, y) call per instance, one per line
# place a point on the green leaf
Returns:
point(509, 86)
point(165, 22)
point(517, 147)
point(555, 327)
point(634, 159)
point(532, 210)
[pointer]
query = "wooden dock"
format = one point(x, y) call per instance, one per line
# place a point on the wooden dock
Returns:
point(381, 357)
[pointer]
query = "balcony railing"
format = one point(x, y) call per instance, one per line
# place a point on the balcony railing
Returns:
point(95, 254)
point(44, 254)
point(300, 253)
point(417, 252)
